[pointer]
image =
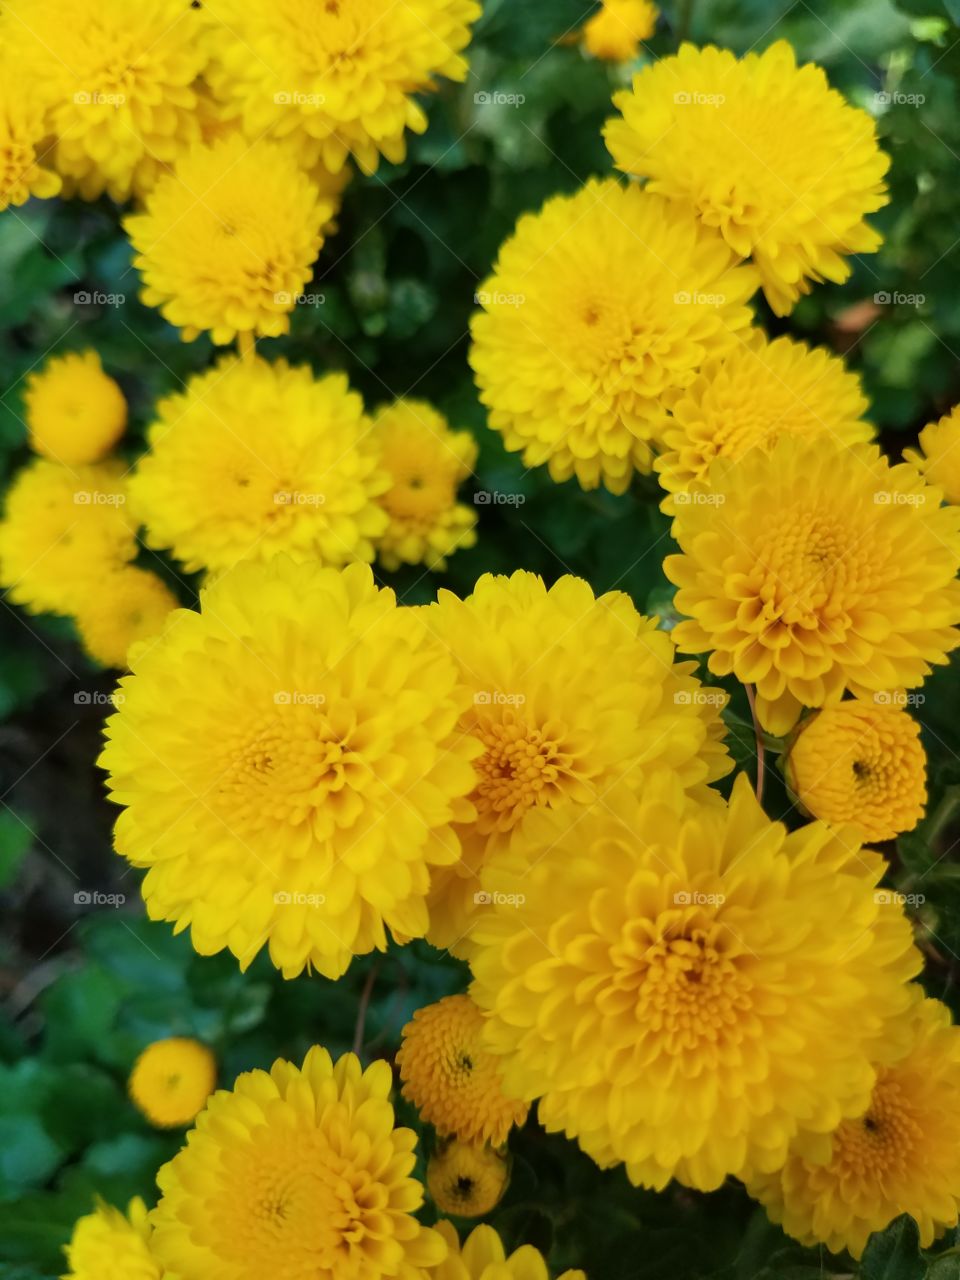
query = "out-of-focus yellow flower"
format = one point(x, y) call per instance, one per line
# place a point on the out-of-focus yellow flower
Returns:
point(937, 456)
point(426, 462)
point(599, 308)
point(116, 79)
point(75, 412)
point(336, 79)
point(120, 609)
point(110, 1245)
point(172, 1080)
point(618, 28)
point(861, 763)
point(761, 149)
point(255, 458)
point(226, 242)
point(450, 1077)
point(815, 568)
point(63, 529)
point(23, 151)
point(467, 1179)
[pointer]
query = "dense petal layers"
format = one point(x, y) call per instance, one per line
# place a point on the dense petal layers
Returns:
point(117, 81)
point(759, 392)
point(255, 458)
point(599, 306)
point(110, 1245)
point(299, 1172)
point(861, 762)
point(687, 987)
point(451, 1078)
point(568, 693)
point(336, 79)
point(901, 1155)
point(290, 766)
point(937, 455)
point(762, 150)
point(814, 568)
point(227, 242)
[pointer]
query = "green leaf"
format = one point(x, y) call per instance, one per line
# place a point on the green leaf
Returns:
point(894, 1254)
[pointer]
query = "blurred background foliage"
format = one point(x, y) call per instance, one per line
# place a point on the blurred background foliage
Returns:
point(82, 989)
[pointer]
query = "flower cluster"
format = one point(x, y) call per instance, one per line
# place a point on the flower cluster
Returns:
point(67, 537)
point(615, 326)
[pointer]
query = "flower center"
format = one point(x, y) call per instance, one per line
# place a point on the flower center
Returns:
point(523, 765)
point(289, 766)
point(881, 1142)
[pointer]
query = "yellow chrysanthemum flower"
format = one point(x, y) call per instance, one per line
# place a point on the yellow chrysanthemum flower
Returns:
point(599, 306)
point(763, 150)
point(759, 392)
point(483, 1257)
point(227, 242)
point(117, 79)
point(815, 568)
point(300, 1172)
point(110, 1245)
point(937, 456)
point(568, 694)
point(290, 765)
point(901, 1156)
point(451, 1078)
point(861, 763)
point(687, 986)
point(75, 412)
point(172, 1080)
point(22, 142)
point(255, 458)
point(467, 1179)
point(63, 528)
point(618, 28)
point(426, 462)
point(336, 79)
point(120, 609)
